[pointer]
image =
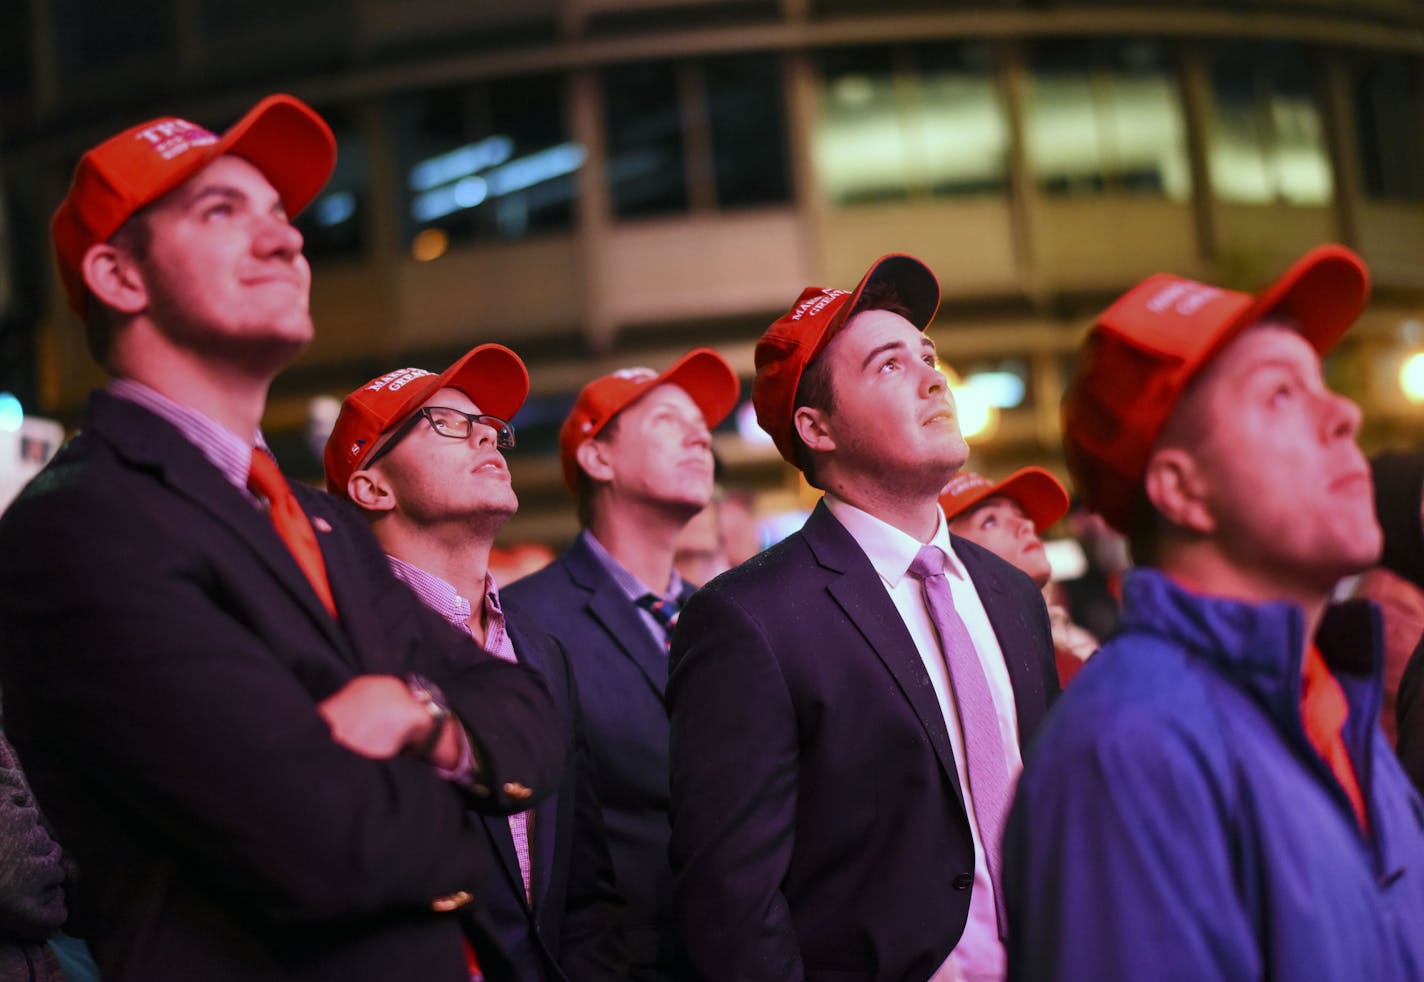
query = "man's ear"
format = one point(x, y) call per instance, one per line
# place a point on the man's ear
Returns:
point(370, 491)
point(1176, 487)
point(592, 456)
point(114, 278)
point(813, 426)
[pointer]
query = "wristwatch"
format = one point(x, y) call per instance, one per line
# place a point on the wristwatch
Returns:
point(428, 694)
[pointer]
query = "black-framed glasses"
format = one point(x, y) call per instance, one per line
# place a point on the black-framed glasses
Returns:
point(448, 422)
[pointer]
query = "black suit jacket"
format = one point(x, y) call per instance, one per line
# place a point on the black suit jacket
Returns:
point(620, 672)
point(818, 828)
point(575, 928)
point(162, 657)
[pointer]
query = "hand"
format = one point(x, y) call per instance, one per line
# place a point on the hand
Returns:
point(375, 716)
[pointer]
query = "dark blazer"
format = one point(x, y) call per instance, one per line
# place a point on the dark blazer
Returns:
point(162, 656)
point(575, 929)
point(620, 672)
point(818, 828)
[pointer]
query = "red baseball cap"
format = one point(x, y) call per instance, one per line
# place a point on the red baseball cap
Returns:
point(701, 373)
point(491, 375)
point(281, 136)
point(1142, 352)
point(1043, 499)
point(798, 336)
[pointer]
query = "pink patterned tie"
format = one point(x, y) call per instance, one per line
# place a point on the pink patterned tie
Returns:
point(989, 780)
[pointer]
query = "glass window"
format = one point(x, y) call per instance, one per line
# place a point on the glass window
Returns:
point(1106, 115)
point(1389, 129)
point(487, 161)
point(922, 119)
point(334, 224)
point(1267, 137)
point(746, 116)
point(647, 167)
point(90, 36)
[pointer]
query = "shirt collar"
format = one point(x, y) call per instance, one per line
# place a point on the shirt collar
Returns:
point(439, 595)
point(627, 582)
point(890, 550)
point(224, 449)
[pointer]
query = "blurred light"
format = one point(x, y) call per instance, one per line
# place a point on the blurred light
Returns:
point(854, 90)
point(12, 414)
point(536, 168)
point(429, 244)
point(1412, 331)
point(334, 208)
point(977, 417)
point(1065, 558)
point(1002, 390)
point(748, 428)
point(460, 162)
point(1411, 378)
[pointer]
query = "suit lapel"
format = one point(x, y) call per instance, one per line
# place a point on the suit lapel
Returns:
point(502, 839)
point(149, 442)
point(610, 606)
point(542, 843)
point(1012, 623)
point(860, 593)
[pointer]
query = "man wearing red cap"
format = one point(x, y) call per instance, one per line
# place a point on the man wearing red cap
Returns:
point(1007, 518)
point(847, 707)
point(260, 748)
point(1213, 798)
point(423, 456)
point(636, 451)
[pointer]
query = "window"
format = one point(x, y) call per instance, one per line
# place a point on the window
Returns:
point(1389, 128)
point(698, 134)
point(334, 224)
point(916, 120)
point(1105, 115)
point(488, 161)
point(1267, 140)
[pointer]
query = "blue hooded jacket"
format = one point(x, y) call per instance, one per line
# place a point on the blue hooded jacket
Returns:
point(1174, 822)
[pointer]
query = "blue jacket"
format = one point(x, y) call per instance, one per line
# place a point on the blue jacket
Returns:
point(1174, 822)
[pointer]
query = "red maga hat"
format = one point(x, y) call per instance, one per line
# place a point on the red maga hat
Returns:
point(492, 376)
point(281, 136)
point(701, 373)
point(802, 332)
point(1144, 350)
point(1041, 496)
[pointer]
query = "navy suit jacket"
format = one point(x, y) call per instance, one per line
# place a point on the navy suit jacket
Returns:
point(575, 929)
point(620, 672)
point(818, 828)
point(162, 657)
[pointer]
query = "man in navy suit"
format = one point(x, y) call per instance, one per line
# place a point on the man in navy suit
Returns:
point(261, 749)
point(844, 738)
point(636, 450)
point(423, 456)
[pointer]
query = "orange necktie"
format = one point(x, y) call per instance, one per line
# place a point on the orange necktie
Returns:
point(291, 523)
point(1323, 710)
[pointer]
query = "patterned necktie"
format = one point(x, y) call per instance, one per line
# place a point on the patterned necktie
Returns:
point(664, 611)
point(291, 523)
point(986, 763)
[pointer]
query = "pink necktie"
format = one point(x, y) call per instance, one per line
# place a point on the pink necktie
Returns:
point(988, 768)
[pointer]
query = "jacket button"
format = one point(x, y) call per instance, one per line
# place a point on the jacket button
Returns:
point(963, 881)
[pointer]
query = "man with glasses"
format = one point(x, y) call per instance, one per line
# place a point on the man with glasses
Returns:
point(260, 749)
point(637, 452)
point(422, 456)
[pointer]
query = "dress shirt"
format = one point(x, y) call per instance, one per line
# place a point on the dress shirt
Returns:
point(635, 588)
point(230, 453)
point(980, 953)
point(445, 600)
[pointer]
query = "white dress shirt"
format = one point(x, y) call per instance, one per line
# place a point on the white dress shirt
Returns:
point(979, 956)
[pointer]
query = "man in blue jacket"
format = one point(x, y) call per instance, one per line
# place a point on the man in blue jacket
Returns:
point(1213, 798)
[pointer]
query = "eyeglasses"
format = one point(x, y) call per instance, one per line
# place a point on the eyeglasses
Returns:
point(451, 423)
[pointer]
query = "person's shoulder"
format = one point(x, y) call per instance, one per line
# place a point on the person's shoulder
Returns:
point(1138, 696)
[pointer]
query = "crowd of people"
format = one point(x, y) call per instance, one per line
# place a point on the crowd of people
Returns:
point(281, 734)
